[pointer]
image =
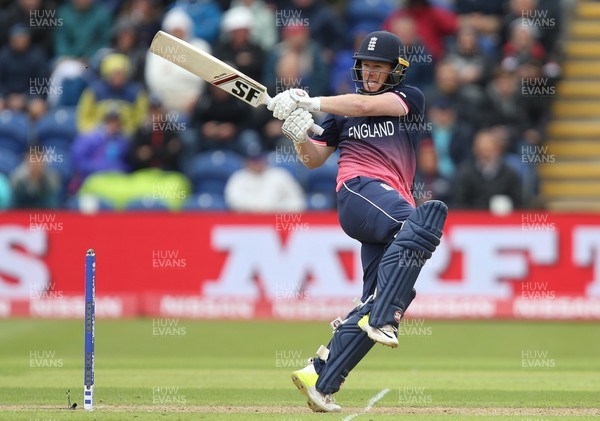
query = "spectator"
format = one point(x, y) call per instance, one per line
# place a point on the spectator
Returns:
point(5, 192)
point(236, 47)
point(145, 15)
point(467, 57)
point(433, 24)
point(502, 105)
point(451, 138)
point(263, 31)
point(485, 17)
point(368, 13)
point(326, 27)
point(84, 30)
point(105, 148)
point(522, 45)
point(34, 185)
point(40, 18)
point(259, 187)
point(22, 70)
point(116, 91)
point(205, 15)
point(429, 184)
point(178, 89)
point(486, 176)
point(421, 61)
point(125, 41)
point(542, 15)
point(302, 60)
point(467, 100)
point(223, 122)
point(156, 144)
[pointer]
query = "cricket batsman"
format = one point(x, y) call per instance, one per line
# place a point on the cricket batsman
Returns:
point(375, 205)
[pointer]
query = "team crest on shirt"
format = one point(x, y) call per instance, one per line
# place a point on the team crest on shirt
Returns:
point(363, 131)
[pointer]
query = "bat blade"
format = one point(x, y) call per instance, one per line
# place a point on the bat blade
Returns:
point(212, 70)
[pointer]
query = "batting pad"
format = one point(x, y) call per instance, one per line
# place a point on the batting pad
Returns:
point(347, 347)
point(403, 260)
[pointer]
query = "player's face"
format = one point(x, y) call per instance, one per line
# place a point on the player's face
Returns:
point(374, 74)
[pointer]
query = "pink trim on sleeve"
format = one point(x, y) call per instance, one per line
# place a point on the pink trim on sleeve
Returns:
point(397, 96)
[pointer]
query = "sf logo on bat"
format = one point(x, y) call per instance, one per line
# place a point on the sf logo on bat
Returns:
point(244, 91)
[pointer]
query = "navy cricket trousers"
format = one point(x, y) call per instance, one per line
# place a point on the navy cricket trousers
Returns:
point(371, 212)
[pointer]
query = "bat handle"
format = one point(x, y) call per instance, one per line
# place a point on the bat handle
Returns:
point(315, 128)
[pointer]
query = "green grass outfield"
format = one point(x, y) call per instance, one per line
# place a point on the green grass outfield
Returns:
point(240, 371)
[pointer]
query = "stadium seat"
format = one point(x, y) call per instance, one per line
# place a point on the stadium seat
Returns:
point(211, 170)
point(323, 178)
point(9, 161)
point(292, 164)
point(57, 128)
point(205, 202)
point(147, 204)
point(14, 134)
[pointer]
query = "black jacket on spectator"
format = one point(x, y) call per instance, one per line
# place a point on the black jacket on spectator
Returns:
point(473, 190)
point(17, 69)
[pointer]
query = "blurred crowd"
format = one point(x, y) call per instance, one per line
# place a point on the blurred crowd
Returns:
point(81, 98)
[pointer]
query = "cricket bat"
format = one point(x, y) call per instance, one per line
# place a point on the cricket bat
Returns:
point(212, 70)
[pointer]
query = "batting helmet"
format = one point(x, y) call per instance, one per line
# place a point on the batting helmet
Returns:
point(380, 46)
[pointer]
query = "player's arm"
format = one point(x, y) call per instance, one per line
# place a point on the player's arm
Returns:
point(354, 105)
point(295, 128)
point(351, 105)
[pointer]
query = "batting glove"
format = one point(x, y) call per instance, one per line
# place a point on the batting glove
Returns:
point(297, 124)
point(286, 102)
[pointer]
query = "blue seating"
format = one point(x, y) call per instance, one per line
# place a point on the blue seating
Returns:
point(57, 127)
point(14, 133)
point(147, 204)
point(323, 178)
point(211, 170)
point(9, 161)
point(205, 202)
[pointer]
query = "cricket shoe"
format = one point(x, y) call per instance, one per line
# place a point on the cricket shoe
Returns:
point(306, 381)
point(386, 335)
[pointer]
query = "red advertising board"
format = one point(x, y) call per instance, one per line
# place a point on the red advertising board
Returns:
point(290, 266)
